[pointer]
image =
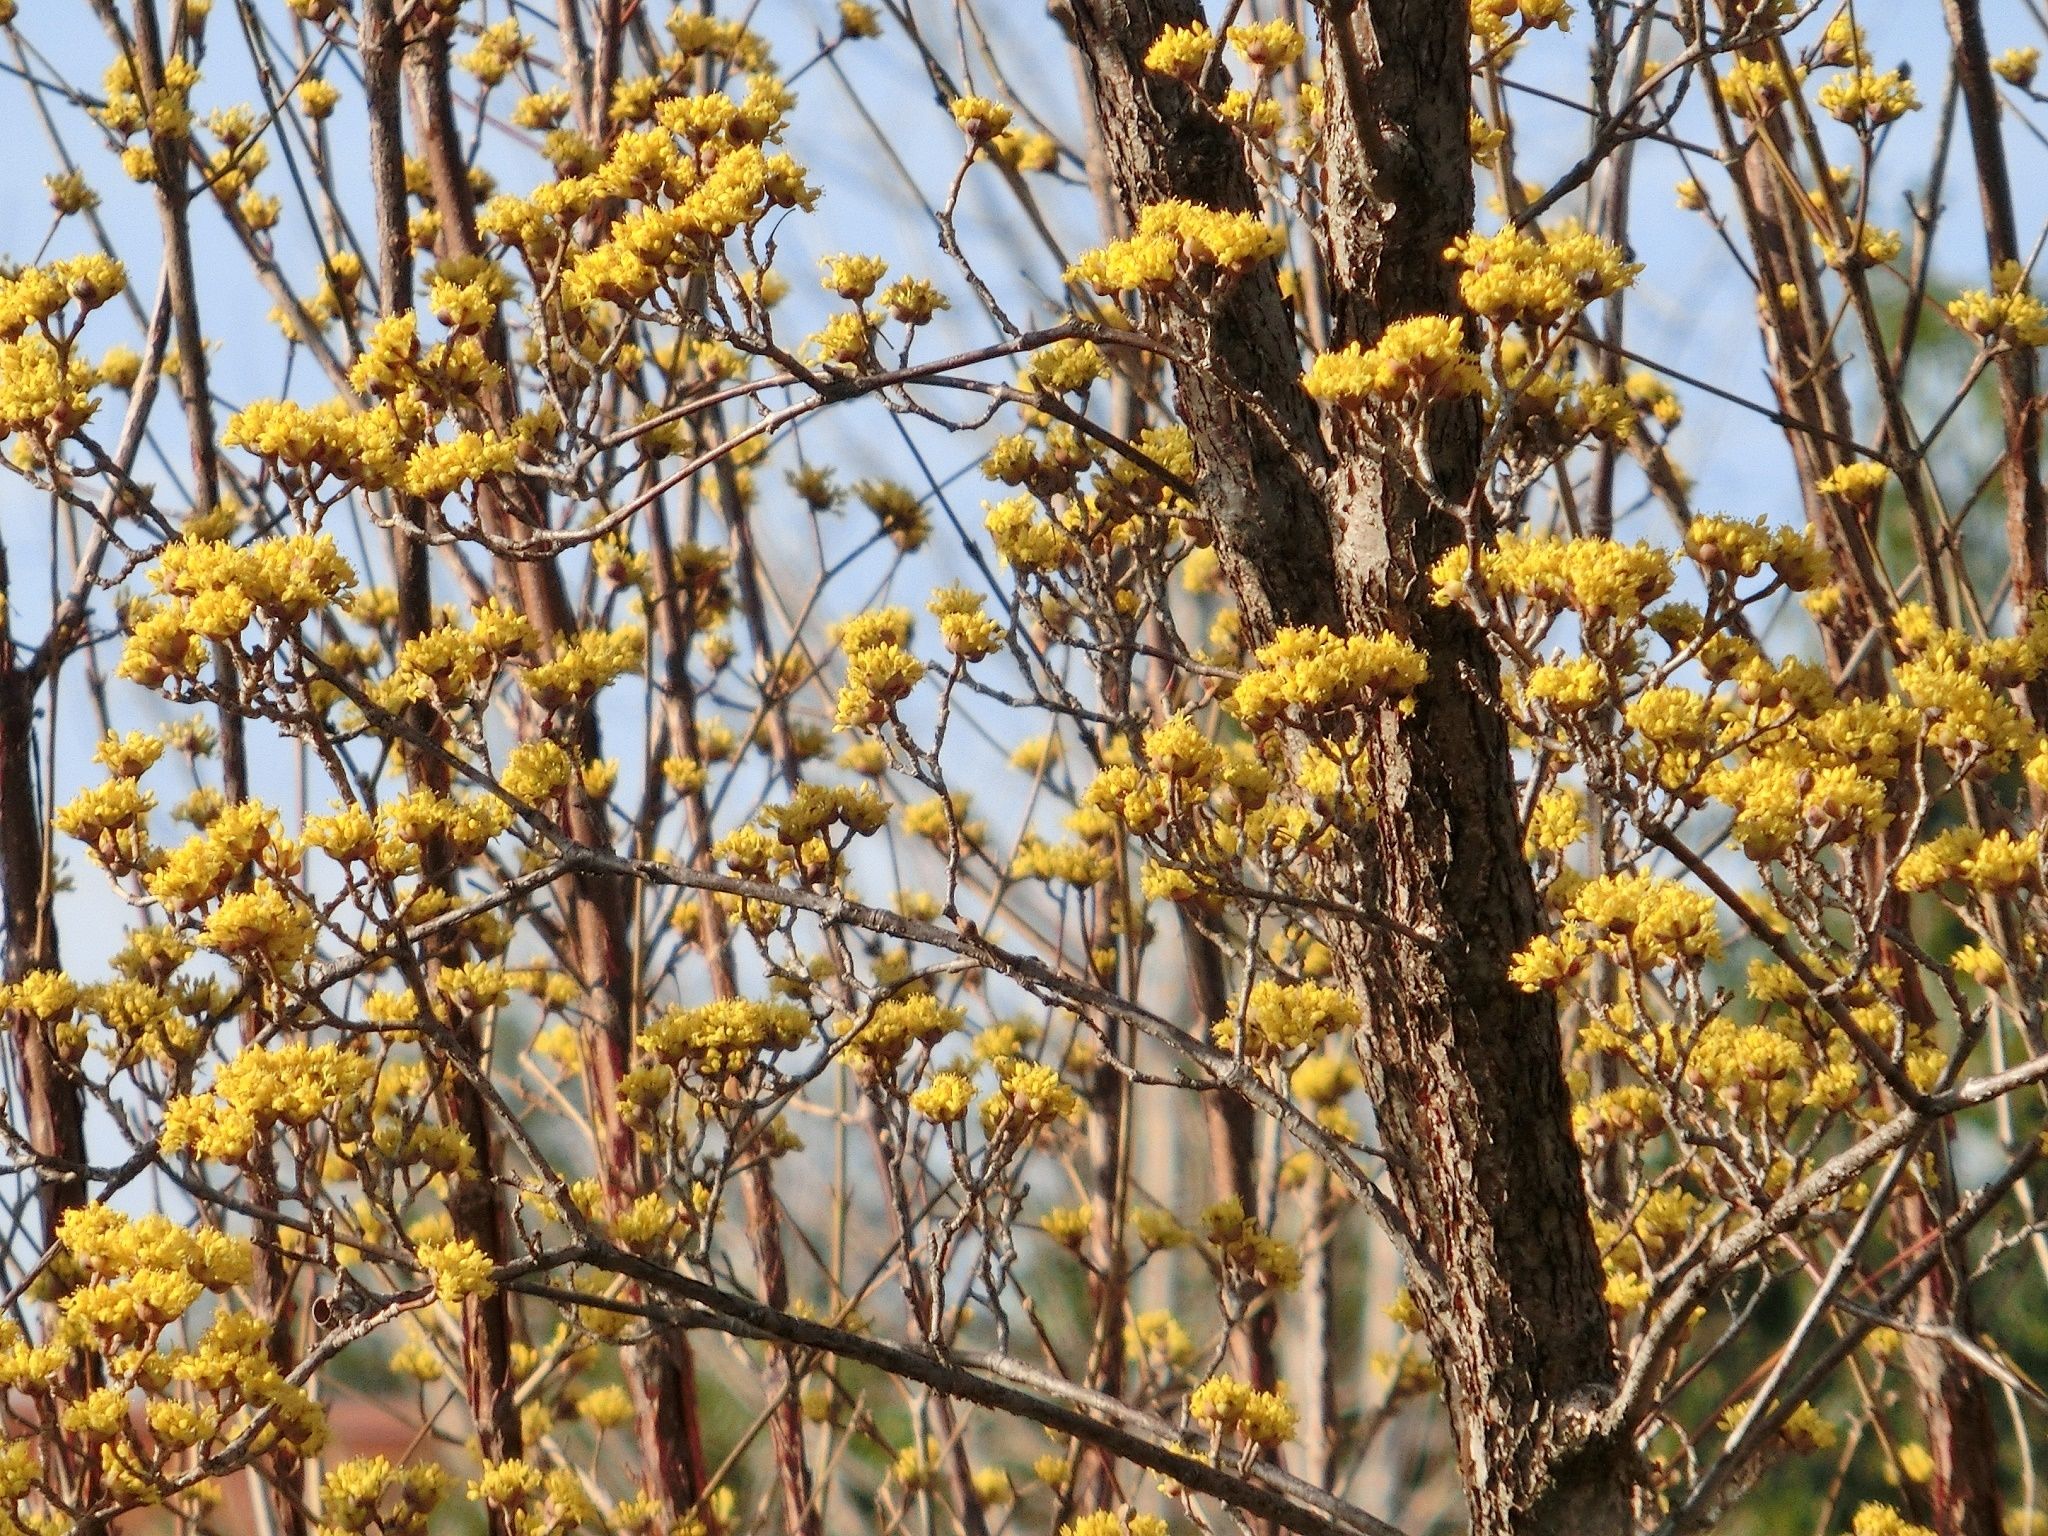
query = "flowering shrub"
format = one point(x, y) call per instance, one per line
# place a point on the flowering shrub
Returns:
point(1353, 916)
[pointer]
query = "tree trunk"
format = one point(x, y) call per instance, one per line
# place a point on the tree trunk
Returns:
point(1464, 1070)
point(53, 1111)
point(1955, 1407)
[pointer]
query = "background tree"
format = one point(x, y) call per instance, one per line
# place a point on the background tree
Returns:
point(505, 958)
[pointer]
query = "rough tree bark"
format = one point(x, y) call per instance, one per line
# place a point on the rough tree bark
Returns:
point(2026, 501)
point(54, 1106)
point(1465, 1071)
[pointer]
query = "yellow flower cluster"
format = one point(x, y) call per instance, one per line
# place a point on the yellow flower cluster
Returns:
point(965, 629)
point(1076, 864)
point(264, 1087)
point(1026, 540)
point(1640, 920)
point(1726, 546)
point(1267, 47)
point(1159, 1337)
point(1868, 100)
point(393, 442)
point(1844, 44)
point(449, 666)
point(1029, 1096)
point(1324, 1080)
point(1755, 88)
point(946, 1099)
point(813, 810)
point(1282, 1018)
point(1992, 864)
point(853, 278)
point(141, 1274)
point(877, 1043)
point(583, 667)
point(1961, 688)
point(1249, 1254)
point(859, 20)
point(267, 923)
point(138, 1279)
point(1496, 23)
point(45, 394)
point(1558, 821)
point(898, 509)
point(45, 996)
point(880, 673)
point(212, 591)
point(166, 115)
point(1306, 673)
point(1803, 1430)
point(1553, 406)
point(32, 297)
point(368, 1491)
point(1541, 279)
point(1860, 485)
point(244, 837)
point(1801, 781)
point(1064, 367)
point(1173, 241)
point(1871, 245)
point(1181, 51)
point(1653, 396)
point(798, 837)
point(1104, 1522)
point(284, 578)
point(110, 819)
point(2006, 314)
point(1215, 813)
point(499, 47)
point(1569, 687)
point(1259, 116)
point(459, 1269)
point(392, 840)
point(719, 1041)
point(1227, 1406)
point(1189, 760)
point(146, 1021)
point(1733, 1059)
point(1883, 1520)
point(979, 118)
point(1596, 578)
point(45, 388)
point(2017, 66)
point(696, 178)
point(1420, 359)
point(435, 470)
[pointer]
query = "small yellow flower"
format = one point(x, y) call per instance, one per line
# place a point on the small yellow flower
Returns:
point(2017, 66)
point(1868, 100)
point(1422, 359)
point(1181, 51)
point(979, 118)
point(854, 277)
point(317, 97)
point(459, 1269)
point(1266, 46)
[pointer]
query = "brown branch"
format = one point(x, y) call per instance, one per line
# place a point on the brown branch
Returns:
point(2026, 505)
